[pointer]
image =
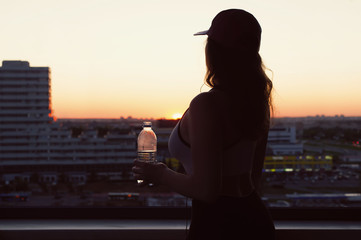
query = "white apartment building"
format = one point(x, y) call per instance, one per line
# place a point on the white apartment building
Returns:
point(32, 142)
point(282, 141)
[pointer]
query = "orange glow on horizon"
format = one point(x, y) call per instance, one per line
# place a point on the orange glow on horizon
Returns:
point(176, 116)
point(138, 71)
point(279, 112)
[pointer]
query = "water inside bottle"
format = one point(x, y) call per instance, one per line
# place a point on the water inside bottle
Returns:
point(146, 156)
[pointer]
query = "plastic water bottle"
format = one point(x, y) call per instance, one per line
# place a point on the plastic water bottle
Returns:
point(147, 144)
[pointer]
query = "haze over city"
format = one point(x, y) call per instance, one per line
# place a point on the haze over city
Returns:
point(140, 58)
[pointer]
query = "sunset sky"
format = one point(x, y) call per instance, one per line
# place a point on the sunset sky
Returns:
point(113, 58)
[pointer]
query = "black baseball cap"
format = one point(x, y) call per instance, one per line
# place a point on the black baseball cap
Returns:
point(235, 28)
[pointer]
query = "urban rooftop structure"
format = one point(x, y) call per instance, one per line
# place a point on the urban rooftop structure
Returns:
point(32, 142)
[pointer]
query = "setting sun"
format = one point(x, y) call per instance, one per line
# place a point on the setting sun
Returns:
point(177, 116)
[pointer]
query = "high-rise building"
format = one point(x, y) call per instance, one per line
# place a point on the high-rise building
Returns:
point(25, 112)
point(31, 141)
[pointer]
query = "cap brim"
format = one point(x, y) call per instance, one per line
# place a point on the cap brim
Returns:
point(201, 33)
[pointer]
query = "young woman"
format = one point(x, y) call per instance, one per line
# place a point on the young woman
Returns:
point(221, 139)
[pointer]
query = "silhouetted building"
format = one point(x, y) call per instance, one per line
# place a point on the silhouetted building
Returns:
point(282, 141)
point(32, 142)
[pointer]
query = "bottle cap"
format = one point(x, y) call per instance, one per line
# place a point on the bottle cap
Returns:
point(147, 124)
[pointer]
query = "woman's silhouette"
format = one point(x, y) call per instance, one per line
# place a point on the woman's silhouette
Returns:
point(221, 138)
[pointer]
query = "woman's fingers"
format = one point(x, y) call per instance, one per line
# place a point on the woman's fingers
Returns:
point(137, 176)
point(137, 172)
point(137, 169)
point(143, 183)
point(151, 171)
point(142, 164)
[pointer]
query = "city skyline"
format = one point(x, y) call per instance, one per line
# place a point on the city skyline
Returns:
point(87, 163)
point(118, 58)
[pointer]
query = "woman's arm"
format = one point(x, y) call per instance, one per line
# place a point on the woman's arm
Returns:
point(206, 140)
point(258, 160)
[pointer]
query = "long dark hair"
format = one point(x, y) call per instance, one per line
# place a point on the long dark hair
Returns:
point(241, 73)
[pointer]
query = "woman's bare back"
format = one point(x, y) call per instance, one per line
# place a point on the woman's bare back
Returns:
point(242, 183)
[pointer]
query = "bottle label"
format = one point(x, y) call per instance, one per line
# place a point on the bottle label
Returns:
point(146, 155)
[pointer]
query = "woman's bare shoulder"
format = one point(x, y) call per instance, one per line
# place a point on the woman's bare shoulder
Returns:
point(206, 104)
point(208, 108)
point(213, 99)
point(203, 98)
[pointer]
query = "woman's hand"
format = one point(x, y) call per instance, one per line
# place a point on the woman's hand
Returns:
point(149, 172)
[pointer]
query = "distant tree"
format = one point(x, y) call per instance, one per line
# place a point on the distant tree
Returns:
point(311, 133)
point(121, 130)
point(76, 131)
point(352, 134)
point(330, 133)
point(102, 131)
point(346, 134)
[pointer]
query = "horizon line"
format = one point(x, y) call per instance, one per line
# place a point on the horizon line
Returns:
point(165, 118)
